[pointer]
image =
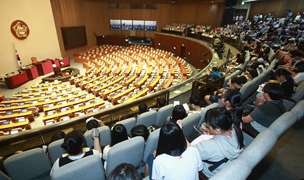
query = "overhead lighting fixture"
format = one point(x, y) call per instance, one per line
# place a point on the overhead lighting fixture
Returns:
point(243, 2)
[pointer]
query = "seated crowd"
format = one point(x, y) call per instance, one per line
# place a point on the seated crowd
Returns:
point(220, 139)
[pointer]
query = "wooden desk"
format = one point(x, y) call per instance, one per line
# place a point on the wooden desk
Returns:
point(118, 96)
point(153, 84)
point(105, 94)
point(71, 111)
point(169, 82)
point(27, 114)
point(141, 93)
point(142, 81)
point(25, 124)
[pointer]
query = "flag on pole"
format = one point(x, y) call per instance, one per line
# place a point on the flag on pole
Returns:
point(18, 57)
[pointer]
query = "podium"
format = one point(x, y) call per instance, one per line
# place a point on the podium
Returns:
point(32, 72)
point(16, 80)
point(44, 67)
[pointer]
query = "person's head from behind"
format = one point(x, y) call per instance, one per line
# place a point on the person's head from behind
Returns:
point(171, 140)
point(140, 130)
point(214, 69)
point(236, 82)
point(124, 171)
point(57, 136)
point(252, 73)
point(178, 114)
point(142, 108)
point(219, 121)
point(194, 102)
point(73, 142)
point(299, 67)
point(282, 74)
point(92, 124)
point(273, 92)
point(118, 134)
point(232, 99)
point(161, 102)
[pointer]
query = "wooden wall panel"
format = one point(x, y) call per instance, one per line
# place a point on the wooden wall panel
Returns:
point(279, 7)
point(194, 52)
point(95, 16)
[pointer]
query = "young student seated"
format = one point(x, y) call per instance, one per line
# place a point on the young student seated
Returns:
point(74, 145)
point(174, 160)
point(264, 115)
point(225, 146)
point(214, 73)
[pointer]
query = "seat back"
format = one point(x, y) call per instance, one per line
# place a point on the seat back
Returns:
point(128, 123)
point(55, 150)
point(151, 144)
point(283, 123)
point(89, 167)
point(104, 136)
point(299, 92)
point(31, 164)
point(4, 176)
point(147, 118)
point(298, 109)
point(129, 151)
point(249, 88)
point(203, 112)
point(189, 122)
point(163, 114)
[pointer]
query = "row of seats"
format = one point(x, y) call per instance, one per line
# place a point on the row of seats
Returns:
point(261, 145)
point(142, 60)
point(134, 151)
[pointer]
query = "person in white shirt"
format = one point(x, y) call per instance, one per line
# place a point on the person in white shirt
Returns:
point(174, 160)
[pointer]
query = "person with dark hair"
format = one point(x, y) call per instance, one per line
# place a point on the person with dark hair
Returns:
point(298, 72)
point(174, 160)
point(214, 73)
point(124, 171)
point(57, 136)
point(140, 130)
point(225, 146)
point(264, 115)
point(178, 114)
point(118, 134)
point(234, 83)
point(161, 102)
point(142, 108)
point(73, 144)
point(93, 123)
point(252, 73)
point(285, 80)
point(194, 103)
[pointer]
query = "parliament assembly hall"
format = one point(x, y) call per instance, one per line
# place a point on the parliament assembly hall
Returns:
point(155, 89)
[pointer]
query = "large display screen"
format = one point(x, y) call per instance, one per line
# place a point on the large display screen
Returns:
point(136, 25)
point(115, 24)
point(74, 37)
point(126, 24)
point(150, 25)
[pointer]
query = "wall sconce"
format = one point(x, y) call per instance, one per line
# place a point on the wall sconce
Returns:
point(183, 45)
point(189, 53)
point(159, 44)
point(174, 47)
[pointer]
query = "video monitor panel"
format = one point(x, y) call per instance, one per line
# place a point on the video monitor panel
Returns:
point(126, 24)
point(138, 25)
point(150, 25)
point(115, 24)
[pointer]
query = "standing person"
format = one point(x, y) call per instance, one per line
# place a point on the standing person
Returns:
point(174, 160)
point(226, 144)
point(74, 144)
